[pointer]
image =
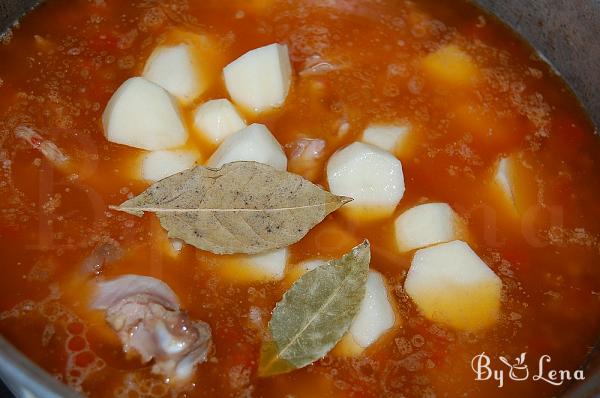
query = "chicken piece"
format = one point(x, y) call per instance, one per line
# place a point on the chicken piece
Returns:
point(145, 314)
point(46, 147)
point(306, 157)
point(106, 252)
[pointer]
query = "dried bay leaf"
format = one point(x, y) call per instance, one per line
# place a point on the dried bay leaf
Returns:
point(316, 312)
point(243, 207)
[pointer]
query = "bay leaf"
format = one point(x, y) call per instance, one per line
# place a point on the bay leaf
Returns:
point(243, 207)
point(315, 313)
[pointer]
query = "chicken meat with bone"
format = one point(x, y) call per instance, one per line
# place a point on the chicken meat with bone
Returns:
point(145, 314)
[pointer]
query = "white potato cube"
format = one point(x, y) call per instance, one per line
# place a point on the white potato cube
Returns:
point(255, 268)
point(176, 244)
point(161, 164)
point(376, 315)
point(270, 265)
point(450, 284)
point(425, 225)
point(254, 143)
point(309, 265)
point(174, 69)
point(503, 179)
point(260, 79)
point(170, 247)
point(143, 115)
point(388, 138)
point(217, 119)
point(371, 176)
point(296, 271)
point(451, 66)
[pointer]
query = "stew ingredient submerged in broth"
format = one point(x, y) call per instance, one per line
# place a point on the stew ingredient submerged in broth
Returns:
point(356, 63)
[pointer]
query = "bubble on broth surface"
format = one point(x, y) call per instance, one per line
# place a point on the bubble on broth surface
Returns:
point(139, 384)
point(403, 345)
point(126, 62)
point(310, 40)
point(47, 334)
point(415, 85)
point(239, 377)
point(81, 360)
point(152, 19)
point(41, 271)
point(415, 362)
point(561, 236)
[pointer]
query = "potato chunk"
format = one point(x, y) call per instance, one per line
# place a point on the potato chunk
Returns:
point(269, 265)
point(376, 315)
point(217, 119)
point(450, 284)
point(260, 79)
point(254, 143)
point(371, 176)
point(503, 179)
point(309, 265)
point(161, 164)
point(143, 115)
point(386, 137)
point(514, 186)
point(170, 247)
point(426, 225)
point(450, 65)
point(296, 271)
point(174, 69)
point(255, 268)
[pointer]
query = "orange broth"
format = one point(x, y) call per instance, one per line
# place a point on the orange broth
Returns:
point(62, 63)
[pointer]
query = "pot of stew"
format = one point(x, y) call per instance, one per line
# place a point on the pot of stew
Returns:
point(276, 198)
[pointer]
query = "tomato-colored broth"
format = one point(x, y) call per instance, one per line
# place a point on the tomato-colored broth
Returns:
point(63, 62)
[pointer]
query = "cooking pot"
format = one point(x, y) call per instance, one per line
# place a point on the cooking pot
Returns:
point(565, 32)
